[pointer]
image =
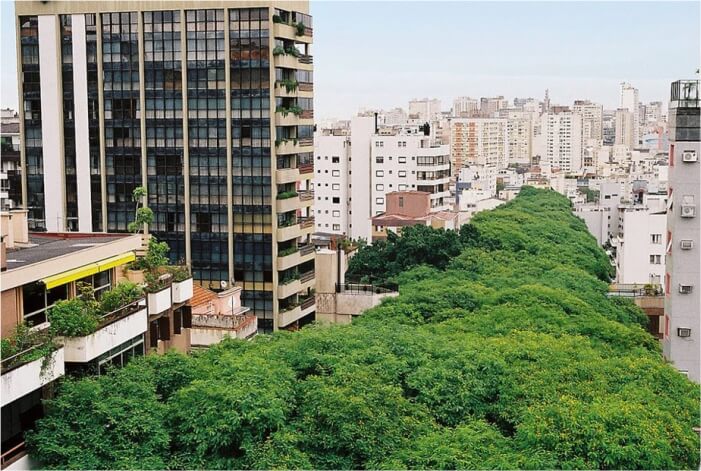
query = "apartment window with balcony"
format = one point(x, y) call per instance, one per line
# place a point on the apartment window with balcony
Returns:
point(37, 300)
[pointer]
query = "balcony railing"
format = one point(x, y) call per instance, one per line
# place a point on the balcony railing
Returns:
point(308, 276)
point(306, 249)
point(306, 141)
point(309, 302)
point(635, 290)
point(305, 222)
point(124, 311)
point(306, 59)
point(13, 454)
point(306, 168)
point(306, 195)
point(364, 288)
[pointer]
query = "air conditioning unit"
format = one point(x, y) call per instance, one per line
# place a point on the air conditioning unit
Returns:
point(683, 332)
point(689, 156)
point(688, 210)
point(685, 289)
point(686, 244)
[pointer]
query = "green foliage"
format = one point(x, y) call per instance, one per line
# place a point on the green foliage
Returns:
point(502, 351)
point(143, 215)
point(156, 256)
point(287, 251)
point(73, 318)
point(121, 295)
point(24, 345)
point(300, 29)
point(179, 272)
point(278, 50)
point(286, 194)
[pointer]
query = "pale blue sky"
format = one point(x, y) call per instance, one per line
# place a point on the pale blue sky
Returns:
point(381, 54)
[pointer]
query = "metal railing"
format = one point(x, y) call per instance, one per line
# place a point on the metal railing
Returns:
point(306, 195)
point(306, 59)
point(121, 312)
point(306, 249)
point(635, 290)
point(15, 361)
point(13, 454)
point(364, 288)
point(306, 221)
point(309, 302)
point(304, 277)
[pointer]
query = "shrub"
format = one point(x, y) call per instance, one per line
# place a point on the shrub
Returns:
point(73, 318)
point(124, 293)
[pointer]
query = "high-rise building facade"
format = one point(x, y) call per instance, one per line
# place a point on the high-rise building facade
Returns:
point(424, 109)
point(519, 132)
point(682, 331)
point(208, 105)
point(592, 118)
point(479, 141)
point(629, 101)
point(465, 107)
point(625, 128)
point(356, 169)
point(559, 143)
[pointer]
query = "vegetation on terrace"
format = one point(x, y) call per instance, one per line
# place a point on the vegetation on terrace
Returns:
point(502, 351)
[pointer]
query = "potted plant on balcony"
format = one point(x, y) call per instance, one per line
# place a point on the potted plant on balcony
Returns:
point(76, 317)
point(300, 29)
point(286, 195)
point(143, 216)
point(25, 345)
point(182, 283)
point(158, 292)
point(278, 50)
point(120, 296)
point(277, 19)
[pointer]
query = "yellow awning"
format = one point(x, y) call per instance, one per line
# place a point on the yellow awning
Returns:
point(70, 275)
point(115, 261)
point(87, 270)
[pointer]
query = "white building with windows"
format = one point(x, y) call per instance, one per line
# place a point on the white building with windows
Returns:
point(559, 142)
point(356, 169)
point(641, 242)
point(629, 101)
point(592, 119)
point(479, 141)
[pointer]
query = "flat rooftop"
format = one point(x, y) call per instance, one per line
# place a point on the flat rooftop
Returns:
point(45, 246)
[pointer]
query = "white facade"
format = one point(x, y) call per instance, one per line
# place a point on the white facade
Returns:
point(425, 109)
point(629, 101)
point(520, 140)
point(592, 118)
point(479, 141)
point(354, 172)
point(640, 248)
point(625, 128)
point(464, 106)
point(559, 143)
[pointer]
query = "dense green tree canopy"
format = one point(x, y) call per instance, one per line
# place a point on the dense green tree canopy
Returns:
point(502, 351)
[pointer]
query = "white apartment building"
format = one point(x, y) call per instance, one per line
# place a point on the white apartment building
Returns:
point(355, 170)
point(465, 107)
point(425, 109)
point(520, 140)
point(479, 141)
point(629, 101)
point(592, 118)
point(641, 242)
point(625, 128)
point(559, 142)
point(489, 106)
point(682, 326)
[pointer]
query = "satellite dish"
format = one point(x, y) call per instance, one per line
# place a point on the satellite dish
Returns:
point(223, 284)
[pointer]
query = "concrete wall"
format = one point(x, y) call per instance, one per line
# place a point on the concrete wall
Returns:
point(11, 311)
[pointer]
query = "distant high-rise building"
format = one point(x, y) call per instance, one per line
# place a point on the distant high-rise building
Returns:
point(625, 128)
point(682, 330)
point(560, 144)
point(425, 109)
point(489, 106)
point(465, 107)
point(519, 133)
point(356, 169)
point(592, 118)
point(546, 102)
point(629, 101)
point(10, 165)
point(208, 105)
point(480, 141)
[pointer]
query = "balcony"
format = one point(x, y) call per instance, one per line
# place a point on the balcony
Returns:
point(182, 290)
point(286, 175)
point(289, 316)
point(210, 329)
point(159, 301)
point(303, 90)
point(288, 289)
point(287, 202)
point(299, 256)
point(294, 146)
point(291, 61)
point(23, 373)
point(114, 329)
point(289, 232)
point(286, 31)
point(306, 196)
point(308, 305)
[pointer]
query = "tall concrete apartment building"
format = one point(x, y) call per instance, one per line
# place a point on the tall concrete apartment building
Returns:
point(629, 101)
point(625, 128)
point(682, 331)
point(479, 141)
point(207, 104)
point(592, 118)
point(357, 168)
point(559, 143)
point(465, 107)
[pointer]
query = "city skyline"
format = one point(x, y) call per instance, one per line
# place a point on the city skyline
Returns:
point(569, 59)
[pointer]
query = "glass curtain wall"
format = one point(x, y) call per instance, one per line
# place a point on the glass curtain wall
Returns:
point(93, 122)
point(206, 100)
point(164, 128)
point(69, 162)
point(120, 55)
point(29, 48)
point(251, 166)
